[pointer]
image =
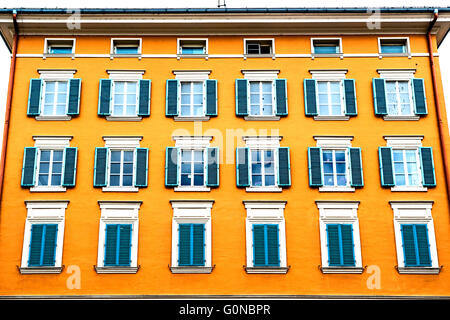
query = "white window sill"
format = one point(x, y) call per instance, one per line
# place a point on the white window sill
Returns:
point(401, 118)
point(53, 118)
point(259, 56)
point(262, 118)
point(130, 55)
point(264, 189)
point(418, 270)
point(205, 56)
point(350, 270)
point(383, 55)
point(58, 55)
point(40, 270)
point(332, 118)
point(336, 189)
point(267, 270)
point(192, 189)
point(327, 55)
point(409, 189)
point(116, 269)
point(123, 118)
point(188, 118)
point(193, 269)
point(120, 189)
point(47, 189)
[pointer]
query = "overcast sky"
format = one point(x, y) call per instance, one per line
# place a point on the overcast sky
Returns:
point(444, 49)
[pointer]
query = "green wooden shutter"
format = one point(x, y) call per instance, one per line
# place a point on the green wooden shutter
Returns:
point(172, 99)
point(281, 97)
point(145, 86)
point(309, 88)
point(43, 242)
point(212, 167)
point(419, 97)
point(350, 97)
point(29, 167)
point(315, 167)
point(284, 167)
point(273, 245)
point(49, 246)
point(334, 245)
point(356, 171)
point(211, 98)
point(386, 167)
point(34, 97)
point(100, 167)
point(242, 167)
point(423, 245)
point(427, 164)
point(111, 237)
point(141, 178)
point(70, 166)
point(73, 107)
point(35, 248)
point(198, 244)
point(379, 96)
point(105, 97)
point(171, 169)
point(241, 97)
point(348, 251)
point(184, 244)
point(416, 247)
point(259, 248)
point(124, 245)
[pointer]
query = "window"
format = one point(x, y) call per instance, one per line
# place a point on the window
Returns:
point(43, 237)
point(192, 165)
point(259, 47)
point(263, 166)
point(50, 165)
point(59, 47)
point(122, 165)
point(405, 165)
point(339, 237)
point(334, 165)
point(326, 46)
point(191, 96)
point(191, 236)
point(329, 96)
point(399, 98)
point(54, 96)
point(393, 46)
point(125, 47)
point(193, 47)
point(261, 98)
point(415, 237)
point(118, 238)
point(265, 237)
point(125, 98)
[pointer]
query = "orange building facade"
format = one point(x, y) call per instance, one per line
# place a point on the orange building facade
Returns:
point(225, 153)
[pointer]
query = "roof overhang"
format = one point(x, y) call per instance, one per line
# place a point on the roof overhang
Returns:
point(249, 21)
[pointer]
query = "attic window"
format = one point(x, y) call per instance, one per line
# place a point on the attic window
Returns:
point(393, 46)
point(259, 47)
point(59, 46)
point(192, 46)
point(326, 46)
point(126, 46)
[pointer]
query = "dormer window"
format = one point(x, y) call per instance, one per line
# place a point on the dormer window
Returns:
point(59, 46)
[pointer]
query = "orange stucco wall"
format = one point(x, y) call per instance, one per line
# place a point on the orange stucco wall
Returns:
point(228, 213)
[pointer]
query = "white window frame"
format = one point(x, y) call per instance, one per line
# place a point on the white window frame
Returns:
point(118, 212)
point(341, 143)
point(115, 41)
point(125, 75)
point(247, 55)
point(184, 55)
point(263, 143)
point(339, 212)
point(414, 212)
point(49, 143)
point(406, 143)
point(119, 143)
point(199, 143)
point(337, 54)
point(62, 40)
point(265, 212)
point(191, 211)
point(44, 212)
point(405, 54)
point(330, 75)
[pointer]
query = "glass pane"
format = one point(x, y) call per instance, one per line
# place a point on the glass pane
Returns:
point(186, 155)
point(413, 179)
point(341, 180)
point(198, 167)
point(323, 98)
point(126, 50)
point(115, 168)
point(45, 155)
point(328, 167)
point(119, 86)
point(57, 167)
point(326, 49)
point(185, 98)
point(115, 156)
point(198, 110)
point(266, 87)
point(269, 180)
point(185, 180)
point(198, 98)
point(131, 99)
point(119, 98)
point(335, 86)
point(60, 109)
point(390, 86)
point(257, 181)
point(185, 168)
point(254, 98)
point(400, 180)
point(336, 109)
point(49, 98)
point(268, 155)
point(127, 180)
point(118, 110)
point(198, 155)
point(131, 87)
point(197, 87)
point(328, 180)
point(128, 155)
point(255, 110)
point(385, 48)
point(198, 180)
point(322, 86)
point(127, 168)
point(327, 156)
point(398, 155)
point(50, 86)
point(185, 87)
point(44, 167)
point(340, 167)
point(48, 110)
point(256, 168)
point(192, 50)
point(131, 110)
point(324, 110)
point(254, 86)
point(62, 86)
point(340, 155)
point(56, 180)
point(43, 180)
point(269, 168)
point(114, 180)
point(410, 155)
point(399, 168)
point(256, 156)
point(57, 155)
point(267, 110)
point(185, 110)
point(60, 50)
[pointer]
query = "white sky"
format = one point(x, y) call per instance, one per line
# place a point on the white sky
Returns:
point(444, 49)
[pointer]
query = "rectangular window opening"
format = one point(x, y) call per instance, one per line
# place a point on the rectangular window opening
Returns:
point(326, 46)
point(259, 47)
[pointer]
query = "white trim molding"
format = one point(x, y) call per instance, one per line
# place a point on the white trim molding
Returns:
point(192, 40)
point(405, 54)
point(137, 41)
point(339, 54)
point(328, 74)
point(191, 75)
point(271, 55)
point(396, 74)
point(260, 75)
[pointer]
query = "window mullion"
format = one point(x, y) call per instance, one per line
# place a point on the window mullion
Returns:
point(263, 169)
point(50, 169)
point(121, 168)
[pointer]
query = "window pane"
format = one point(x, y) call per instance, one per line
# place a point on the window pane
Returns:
point(399, 180)
point(127, 180)
point(185, 110)
point(322, 86)
point(328, 167)
point(198, 98)
point(328, 180)
point(340, 167)
point(185, 87)
point(128, 168)
point(115, 168)
point(399, 168)
point(185, 168)
point(256, 168)
point(131, 99)
point(56, 180)
point(256, 181)
point(43, 180)
point(115, 156)
point(186, 155)
point(254, 86)
point(197, 87)
point(57, 155)
point(185, 180)
point(269, 180)
point(398, 155)
point(340, 155)
point(198, 155)
point(44, 167)
point(413, 179)
point(114, 180)
point(128, 155)
point(57, 167)
point(266, 87)
point(410, 155)
point(327, 155)
point(198, 167)
point(269, 168)
point(393, 48)
point(335, 86)
point(341, 180)
point(198, 180)
point(119, 86)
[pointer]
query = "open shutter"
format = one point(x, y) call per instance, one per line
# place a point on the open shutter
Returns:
point(144, 97)
point(334, 245)
point(356, 171)
point(141, 168)
point(281, 97)
point(259, 248)
point(315, 167)
point(198, 244)
point(423, 245)
point(212, 167)
point(242, 167)
point(34, 97)
point(70, 166)
point(124, 245)
point(428, 174)
point(386, 167)
point(420, 100)
point(211, 98)
point(284, 167)
point(273, 245)
point(105, 97)
point(29, 167)
point(241, 97)
point(348, 252)
point(172, 97)
point(73, 107)
point(309, 87)
point(49, 246)
point(379, 96)
point(350, 97)
point(171, 176)
point(111, 237)
point(35, 249)
point(184, 244)
point(100, 165)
